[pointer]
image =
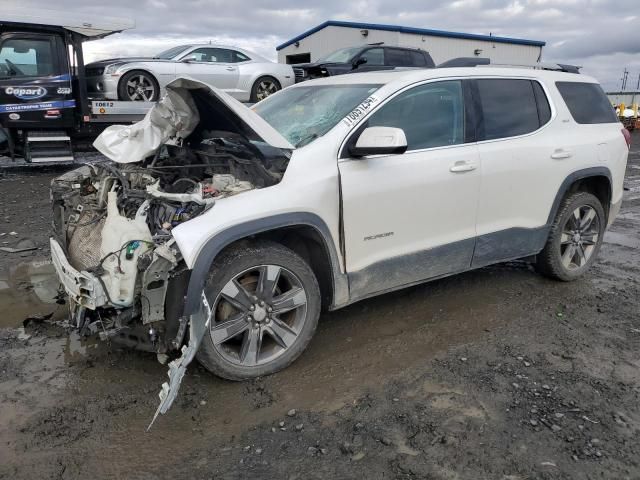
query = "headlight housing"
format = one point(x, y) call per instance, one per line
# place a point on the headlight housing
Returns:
point(111, 69)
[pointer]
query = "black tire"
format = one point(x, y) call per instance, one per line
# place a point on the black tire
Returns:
point(233, 268)
point(552, 260)
point(256, 96)
point(126, 92)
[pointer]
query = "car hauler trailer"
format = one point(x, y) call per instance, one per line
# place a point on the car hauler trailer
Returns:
point(45, 111)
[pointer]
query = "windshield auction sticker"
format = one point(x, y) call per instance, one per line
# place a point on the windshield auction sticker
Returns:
point(360, 111)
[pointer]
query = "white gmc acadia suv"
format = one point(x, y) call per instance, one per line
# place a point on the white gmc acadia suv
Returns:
point(238, 225)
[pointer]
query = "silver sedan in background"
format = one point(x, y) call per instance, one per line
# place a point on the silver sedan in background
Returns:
point(244, 75)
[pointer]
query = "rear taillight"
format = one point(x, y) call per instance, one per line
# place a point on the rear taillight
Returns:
point(627, 137)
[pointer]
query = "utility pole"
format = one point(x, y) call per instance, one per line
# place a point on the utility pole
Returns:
point(625, 75)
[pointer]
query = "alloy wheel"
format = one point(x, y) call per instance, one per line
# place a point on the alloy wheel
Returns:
point(266, 88)
point(258, 315)
point(141, 88)
point(579, 237)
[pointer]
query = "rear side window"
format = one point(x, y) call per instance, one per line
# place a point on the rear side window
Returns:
point(417, 59)
point(398, 58)
point(587, 102)
point(511, 107)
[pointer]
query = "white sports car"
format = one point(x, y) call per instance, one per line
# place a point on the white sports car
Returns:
point(242, 74)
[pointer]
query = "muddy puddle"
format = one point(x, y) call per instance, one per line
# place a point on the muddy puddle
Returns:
point(27, 289)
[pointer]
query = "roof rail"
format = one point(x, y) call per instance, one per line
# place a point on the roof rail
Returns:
point(478, 62)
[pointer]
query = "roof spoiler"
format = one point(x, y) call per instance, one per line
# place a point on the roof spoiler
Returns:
point(478, 61)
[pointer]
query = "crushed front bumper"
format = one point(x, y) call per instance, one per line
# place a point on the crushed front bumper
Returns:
point(83, 288)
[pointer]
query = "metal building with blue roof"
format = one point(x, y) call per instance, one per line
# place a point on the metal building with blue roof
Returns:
point(331, 35)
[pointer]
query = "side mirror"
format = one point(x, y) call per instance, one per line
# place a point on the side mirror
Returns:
point(379, 141)
point(189, 59)
point(360, 61)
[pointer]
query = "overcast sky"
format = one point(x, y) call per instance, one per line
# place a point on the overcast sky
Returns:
point(601, 35)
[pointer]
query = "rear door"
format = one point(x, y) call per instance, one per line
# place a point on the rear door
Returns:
point(412, 216)
point(520, 167)
point(397, 57)
point(215, 66)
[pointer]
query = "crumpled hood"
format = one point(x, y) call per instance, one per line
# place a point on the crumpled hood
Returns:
point(173, 119)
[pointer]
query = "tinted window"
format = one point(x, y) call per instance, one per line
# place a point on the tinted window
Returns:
point(431, 115)
point(544, 110)
point(239, 57)
point(24, 57)
point(587, 102)
point(374, 56)
point(417, 59)
point(398, 58)
point(509, 108)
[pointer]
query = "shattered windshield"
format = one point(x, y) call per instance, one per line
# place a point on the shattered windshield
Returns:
point(302, 114)
point(172, 52)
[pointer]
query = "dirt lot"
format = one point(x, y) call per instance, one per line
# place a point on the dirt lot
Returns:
point(494, 374)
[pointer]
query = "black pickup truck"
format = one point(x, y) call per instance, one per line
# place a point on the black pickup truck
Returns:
point(364, 58)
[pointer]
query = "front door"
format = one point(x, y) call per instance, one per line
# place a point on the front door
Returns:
point(412, 216)
point(214, 66)
point(35, 82)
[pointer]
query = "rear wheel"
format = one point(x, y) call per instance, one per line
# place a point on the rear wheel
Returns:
point(575, 238)
point(263, 87)
point(265, 304)
point(138, 86)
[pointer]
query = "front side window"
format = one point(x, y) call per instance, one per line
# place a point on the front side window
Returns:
point(213, 55)
point(302, 114)
point(587, 102)
point(373, 56)
point(431, 115)
point(26, 57)
point(509, 107)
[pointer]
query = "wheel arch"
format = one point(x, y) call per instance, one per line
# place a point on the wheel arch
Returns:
point(138, 68)
point(595, 180)
point(305, 233)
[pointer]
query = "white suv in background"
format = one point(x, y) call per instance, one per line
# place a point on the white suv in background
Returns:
point(240, 224)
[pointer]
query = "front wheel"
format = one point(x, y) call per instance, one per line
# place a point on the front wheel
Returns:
point(138, 86)
point(575, 238)
point(265, 304)
point(263, 87)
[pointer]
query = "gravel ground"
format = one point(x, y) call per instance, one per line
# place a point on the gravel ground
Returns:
point(494, 374)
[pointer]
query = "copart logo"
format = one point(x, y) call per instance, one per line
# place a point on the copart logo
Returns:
point(26, 93)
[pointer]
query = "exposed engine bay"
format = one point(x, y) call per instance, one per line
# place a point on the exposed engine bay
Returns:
point(113, 247)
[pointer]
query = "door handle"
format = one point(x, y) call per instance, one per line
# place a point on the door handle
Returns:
point(231, 69)
point(460, 167)
point(561, 154)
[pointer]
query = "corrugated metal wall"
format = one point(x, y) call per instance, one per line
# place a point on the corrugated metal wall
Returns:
point(441, 48)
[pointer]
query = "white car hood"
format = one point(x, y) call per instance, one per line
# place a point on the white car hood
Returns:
point(173, 118)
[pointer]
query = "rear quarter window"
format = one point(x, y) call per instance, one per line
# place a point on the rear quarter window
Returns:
point(587, 102)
